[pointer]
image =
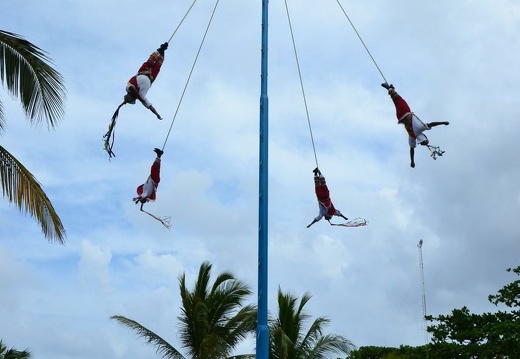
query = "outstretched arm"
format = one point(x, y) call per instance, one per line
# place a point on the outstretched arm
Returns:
point(433, 124)
point(151, 108)
point(313, 221)
point(412, 153)
point(342, 216)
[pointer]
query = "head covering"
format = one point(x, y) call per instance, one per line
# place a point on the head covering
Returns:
point(129, 97)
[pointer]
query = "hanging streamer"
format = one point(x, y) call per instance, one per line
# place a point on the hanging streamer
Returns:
point(356, 222)
point(165, 221)
point(109, 137)
point(435, 151)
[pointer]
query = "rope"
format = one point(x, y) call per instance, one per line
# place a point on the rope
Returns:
point(362, 42)
point(301, 84)
point(180, 23)
point(189, 76)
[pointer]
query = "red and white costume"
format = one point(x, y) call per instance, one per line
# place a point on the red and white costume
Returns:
point(148, 189)
point(413, 125)
point(326, 207)
point(141, 83)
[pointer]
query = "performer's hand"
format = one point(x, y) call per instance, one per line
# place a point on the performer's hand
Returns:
point(159, 117)
point(412, 164)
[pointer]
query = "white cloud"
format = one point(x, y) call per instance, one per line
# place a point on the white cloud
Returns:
point(94, 264)
point(454, 61)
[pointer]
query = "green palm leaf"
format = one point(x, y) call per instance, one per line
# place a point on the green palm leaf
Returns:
point(288, 340)
point(21, 188)
point(164, 349)
point(13, 353)
point(213, 319)
point(27, 73)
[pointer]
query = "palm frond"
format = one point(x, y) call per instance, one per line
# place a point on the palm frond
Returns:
point(213, 319)
point(2, 118)
point(288, 341)
point(201, 285)
point(328, 344)
point(21, 188)
point(13, 353)
point(28, 74)
point(163, 348)
point(315, 332)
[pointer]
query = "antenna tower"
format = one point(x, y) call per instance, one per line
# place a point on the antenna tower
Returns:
point(421, 267)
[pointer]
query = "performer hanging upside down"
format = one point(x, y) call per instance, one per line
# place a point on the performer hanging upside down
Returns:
point(138, 85)
point(326, 208)
point(147, 191)
point(413, 125)
point(136, 89)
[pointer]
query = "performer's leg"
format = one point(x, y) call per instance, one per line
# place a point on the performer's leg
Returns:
point(322, 193)
point(155, 171)
point(401, 106)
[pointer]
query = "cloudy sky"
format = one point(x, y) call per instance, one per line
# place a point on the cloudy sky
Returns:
point(452, 60)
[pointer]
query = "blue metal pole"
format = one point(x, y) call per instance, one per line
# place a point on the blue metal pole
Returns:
point(262, 330)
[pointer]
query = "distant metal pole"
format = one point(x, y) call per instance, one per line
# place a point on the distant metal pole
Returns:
point(421, 267)
point(262, 329)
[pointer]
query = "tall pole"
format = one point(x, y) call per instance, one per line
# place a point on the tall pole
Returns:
point(421, 267)
point(262, 330)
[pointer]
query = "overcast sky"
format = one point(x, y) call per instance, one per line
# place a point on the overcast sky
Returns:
point(453, 61)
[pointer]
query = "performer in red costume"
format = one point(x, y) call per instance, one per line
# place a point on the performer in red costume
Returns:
point(136, 89)
point(147, 191)
point(138, 85)
point(326, 208)
point(413, 125)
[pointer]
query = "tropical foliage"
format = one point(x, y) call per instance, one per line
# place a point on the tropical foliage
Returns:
point(13, 353)
point(213, 318)
point(463, 334)
point(27, 74)
point(288, 339)
point(466, 335)
point(403, 352)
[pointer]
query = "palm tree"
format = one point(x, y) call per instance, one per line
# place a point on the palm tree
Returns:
point(13, 353)
point(287, 340)
point(27, 73)
point(213, 318)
